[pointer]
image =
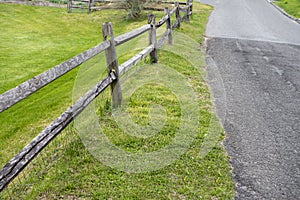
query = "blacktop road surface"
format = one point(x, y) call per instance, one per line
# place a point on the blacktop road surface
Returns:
point(253, 64)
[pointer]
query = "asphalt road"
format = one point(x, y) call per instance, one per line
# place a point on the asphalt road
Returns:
point(253, 59)
point(253, 20)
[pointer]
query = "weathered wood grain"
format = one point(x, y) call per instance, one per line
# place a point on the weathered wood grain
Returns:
point(169, 27)
point(113, 5)
point(86, 1)
point(35, 3)
point(166, 17)
point(152, 39)
point(69, 6)
point(160, 42)
point(9, 98)
point(13, 96)
point(98, 8)
point(172, 2)
point(183, 8)
point(132, 34)
point(124, 67)
point(176, 24)
point(106, 1)
point(178, 18)
point(112, 64)
point(120, 1)
point(153, 9)
point(23, 158)
point(162, 21)
point(90, 2)
point(173, 11)
point(79, 7)
point(188, 4)
point(191, 8)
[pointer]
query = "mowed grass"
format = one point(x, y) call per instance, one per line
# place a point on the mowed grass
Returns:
point(34, 39)
point(77, 174)
point(290, 6)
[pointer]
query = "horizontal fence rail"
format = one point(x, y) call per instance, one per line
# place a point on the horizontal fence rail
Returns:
point(135, 59)
point(58, 4)
point(32, 85)
point(29, 87)
point(90, 5)
point(23, 158)
point(162, 21)
point(13, 96)
point(132, 34)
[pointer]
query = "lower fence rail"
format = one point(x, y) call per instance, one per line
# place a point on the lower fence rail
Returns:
point(19, 162)
point(30, 151)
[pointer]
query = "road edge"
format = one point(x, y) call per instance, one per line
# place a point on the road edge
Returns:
point(283, 11)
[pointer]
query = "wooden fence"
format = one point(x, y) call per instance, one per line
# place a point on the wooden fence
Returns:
point(94, 5)
point(35, 3)
point(13, 96)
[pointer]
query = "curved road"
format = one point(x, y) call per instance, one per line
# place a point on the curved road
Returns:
point(253, 20)
point(255, 50)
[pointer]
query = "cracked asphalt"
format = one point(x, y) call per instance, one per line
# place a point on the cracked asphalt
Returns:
point(253, 64)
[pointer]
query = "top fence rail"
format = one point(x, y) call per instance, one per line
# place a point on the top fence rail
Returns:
point(17, 94)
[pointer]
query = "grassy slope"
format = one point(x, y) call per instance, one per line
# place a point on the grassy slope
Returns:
point(35, 39)
point(290, 6)
point(77, 174)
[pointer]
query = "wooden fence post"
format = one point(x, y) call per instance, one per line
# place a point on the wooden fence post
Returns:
point(112, 64)
point(191, 8)
point(177, 14)
point(89, 6)
point(188, 11)
point(69, 6)
point(152, 38)
point(169, 27)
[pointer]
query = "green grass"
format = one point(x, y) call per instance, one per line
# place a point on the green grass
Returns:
point(36, 39)
point(33, 40)
point(292, 7)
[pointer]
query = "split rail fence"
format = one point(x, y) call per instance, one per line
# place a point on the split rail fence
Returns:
point(94, 5)
point(15, 95)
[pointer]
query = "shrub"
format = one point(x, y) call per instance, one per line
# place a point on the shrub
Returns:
point(133, 7)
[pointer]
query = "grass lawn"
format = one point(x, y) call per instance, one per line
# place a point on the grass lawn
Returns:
point(290, 6)
point(34, 39)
